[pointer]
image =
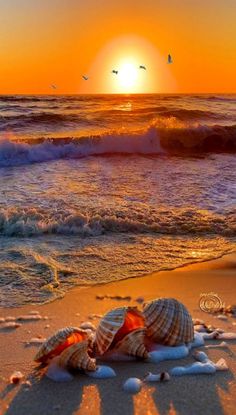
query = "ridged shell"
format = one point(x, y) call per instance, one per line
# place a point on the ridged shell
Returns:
point(55, 344)
point(168, 322)
point(133, 344)
point(76, 357)
point(125, 318)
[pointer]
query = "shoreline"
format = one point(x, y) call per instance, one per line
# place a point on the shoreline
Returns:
point(213, 262)
point(190, 395)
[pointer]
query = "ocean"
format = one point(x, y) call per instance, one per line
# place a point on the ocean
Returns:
point(106, 187)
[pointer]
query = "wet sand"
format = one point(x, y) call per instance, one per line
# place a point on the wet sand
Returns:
point(195, 394)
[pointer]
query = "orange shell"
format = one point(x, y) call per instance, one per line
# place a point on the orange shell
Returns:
point(115, 325)
point(76, 357)
point(55, 344)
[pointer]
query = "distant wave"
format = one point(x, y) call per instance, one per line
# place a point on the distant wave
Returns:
point(23, 120)
point(156, 140)
point(56, 119)
point(26, 98)
point(35, 222)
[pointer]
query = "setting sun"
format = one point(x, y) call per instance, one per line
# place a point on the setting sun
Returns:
point(128, 76)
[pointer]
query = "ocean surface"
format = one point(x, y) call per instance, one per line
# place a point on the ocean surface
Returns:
point(101, 188)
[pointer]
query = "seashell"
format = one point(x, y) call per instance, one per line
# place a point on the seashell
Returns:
point(62, 339)
point(76, 357)
point(168, 322)
point(115, 326)
point(133, 344)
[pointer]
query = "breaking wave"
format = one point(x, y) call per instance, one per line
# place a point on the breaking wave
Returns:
point(182, 221)
point(156, 140)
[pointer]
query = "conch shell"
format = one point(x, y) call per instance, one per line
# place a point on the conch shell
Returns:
point(61, 340)
point(76, 357)
point(168, 322)
point(122, 329)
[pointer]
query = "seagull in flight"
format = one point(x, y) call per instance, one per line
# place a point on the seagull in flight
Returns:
point(85, 77)
point(169, 59)
point(114, 71)
point(142, 67)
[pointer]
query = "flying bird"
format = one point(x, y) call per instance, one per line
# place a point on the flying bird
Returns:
point(53, 86)
point(169, 59)
point(85, 77)
point(142, 67)
point(114, 71)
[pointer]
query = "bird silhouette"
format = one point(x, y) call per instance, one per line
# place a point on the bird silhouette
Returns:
point(114, 71)
point(85, 77)
point(142, 67)
point(169, 59)
point(53, 86)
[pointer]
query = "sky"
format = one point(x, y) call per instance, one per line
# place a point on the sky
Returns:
point(44, 42)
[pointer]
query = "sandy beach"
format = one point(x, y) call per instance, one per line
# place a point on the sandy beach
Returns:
point(195, 394)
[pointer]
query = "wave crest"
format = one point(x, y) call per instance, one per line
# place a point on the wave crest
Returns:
point(35, 221)
point(158, 139)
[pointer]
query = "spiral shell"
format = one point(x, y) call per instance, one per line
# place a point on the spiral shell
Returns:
point(133, 344)
point(55, 344)
point(168, 322)
point(76, 357)
point(115, 325)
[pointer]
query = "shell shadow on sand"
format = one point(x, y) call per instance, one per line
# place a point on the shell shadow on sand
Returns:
point(186, 395)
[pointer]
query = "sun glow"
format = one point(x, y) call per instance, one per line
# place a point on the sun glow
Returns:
point(116, 68)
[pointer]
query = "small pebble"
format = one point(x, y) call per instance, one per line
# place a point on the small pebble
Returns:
point(35, 341)
point(34, 317)
point(222, 317)
point(16, 377)
point(10, 326)
point(10, 318)
point(47, 326)
point(132, 385)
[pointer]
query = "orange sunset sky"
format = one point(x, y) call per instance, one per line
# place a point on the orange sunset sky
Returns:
point(45, 42)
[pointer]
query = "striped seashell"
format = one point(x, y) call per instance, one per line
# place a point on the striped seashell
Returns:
point(76, 357)
point(115, 325)
point(55, 344)
point(168, 322)
point(133, 344)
